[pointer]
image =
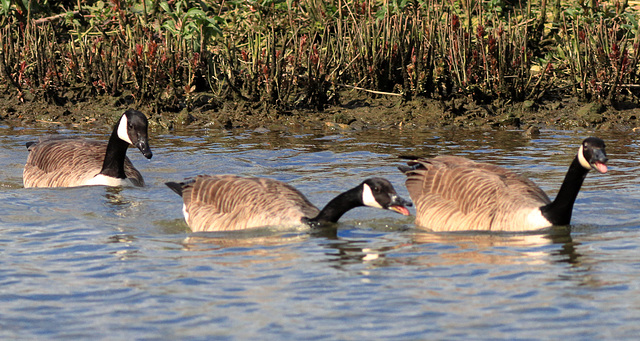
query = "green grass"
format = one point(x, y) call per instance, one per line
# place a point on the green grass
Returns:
point(302, 54)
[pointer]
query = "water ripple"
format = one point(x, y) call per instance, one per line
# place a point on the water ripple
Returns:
point(120, 264)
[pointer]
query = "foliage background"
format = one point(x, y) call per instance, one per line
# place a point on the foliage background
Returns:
point(287, 54)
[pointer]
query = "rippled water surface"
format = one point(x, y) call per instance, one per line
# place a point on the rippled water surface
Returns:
point(106, 263)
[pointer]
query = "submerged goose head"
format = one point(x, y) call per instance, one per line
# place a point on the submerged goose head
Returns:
point(132, 129)
point(592, 155)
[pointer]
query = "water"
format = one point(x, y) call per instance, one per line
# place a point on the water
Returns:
point(104, 263)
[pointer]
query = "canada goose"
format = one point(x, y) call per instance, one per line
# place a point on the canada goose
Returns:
point(229, 202)
point(70, 162)
point(454, 193)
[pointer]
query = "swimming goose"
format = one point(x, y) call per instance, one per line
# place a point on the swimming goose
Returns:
point(454, 193)
point(70, 162)
point(229, 202)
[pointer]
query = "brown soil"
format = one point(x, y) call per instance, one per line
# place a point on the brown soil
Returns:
point(357, 112)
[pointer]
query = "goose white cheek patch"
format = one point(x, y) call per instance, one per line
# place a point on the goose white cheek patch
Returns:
point(122, 130)
point(583, 162)
point(367, 197)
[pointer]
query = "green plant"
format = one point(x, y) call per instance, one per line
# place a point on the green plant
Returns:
point(284, 53)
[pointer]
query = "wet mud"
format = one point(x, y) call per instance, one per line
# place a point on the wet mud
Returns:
point(355, 112)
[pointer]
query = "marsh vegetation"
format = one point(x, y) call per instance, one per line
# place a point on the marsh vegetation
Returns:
point(282, 56)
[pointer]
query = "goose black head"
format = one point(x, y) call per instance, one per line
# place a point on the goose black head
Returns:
point(592, 155)
point(378, 192)
point(132, 128)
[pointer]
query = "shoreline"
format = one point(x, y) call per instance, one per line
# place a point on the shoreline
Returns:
point(355, 113)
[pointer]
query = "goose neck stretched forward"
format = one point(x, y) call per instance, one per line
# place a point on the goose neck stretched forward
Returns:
point(229, 202)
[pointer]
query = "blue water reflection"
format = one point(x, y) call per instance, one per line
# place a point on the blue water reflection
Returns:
point(121, 263)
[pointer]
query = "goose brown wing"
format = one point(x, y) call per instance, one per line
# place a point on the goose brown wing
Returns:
point(62, 162)
point(455, 193)
point(228, 202)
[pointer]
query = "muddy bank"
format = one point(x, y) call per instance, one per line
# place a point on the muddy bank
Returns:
point(356, 112)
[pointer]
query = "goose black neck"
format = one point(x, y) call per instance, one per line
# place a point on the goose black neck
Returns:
point(559, 211)
point(113, 164)
point(339, 206)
